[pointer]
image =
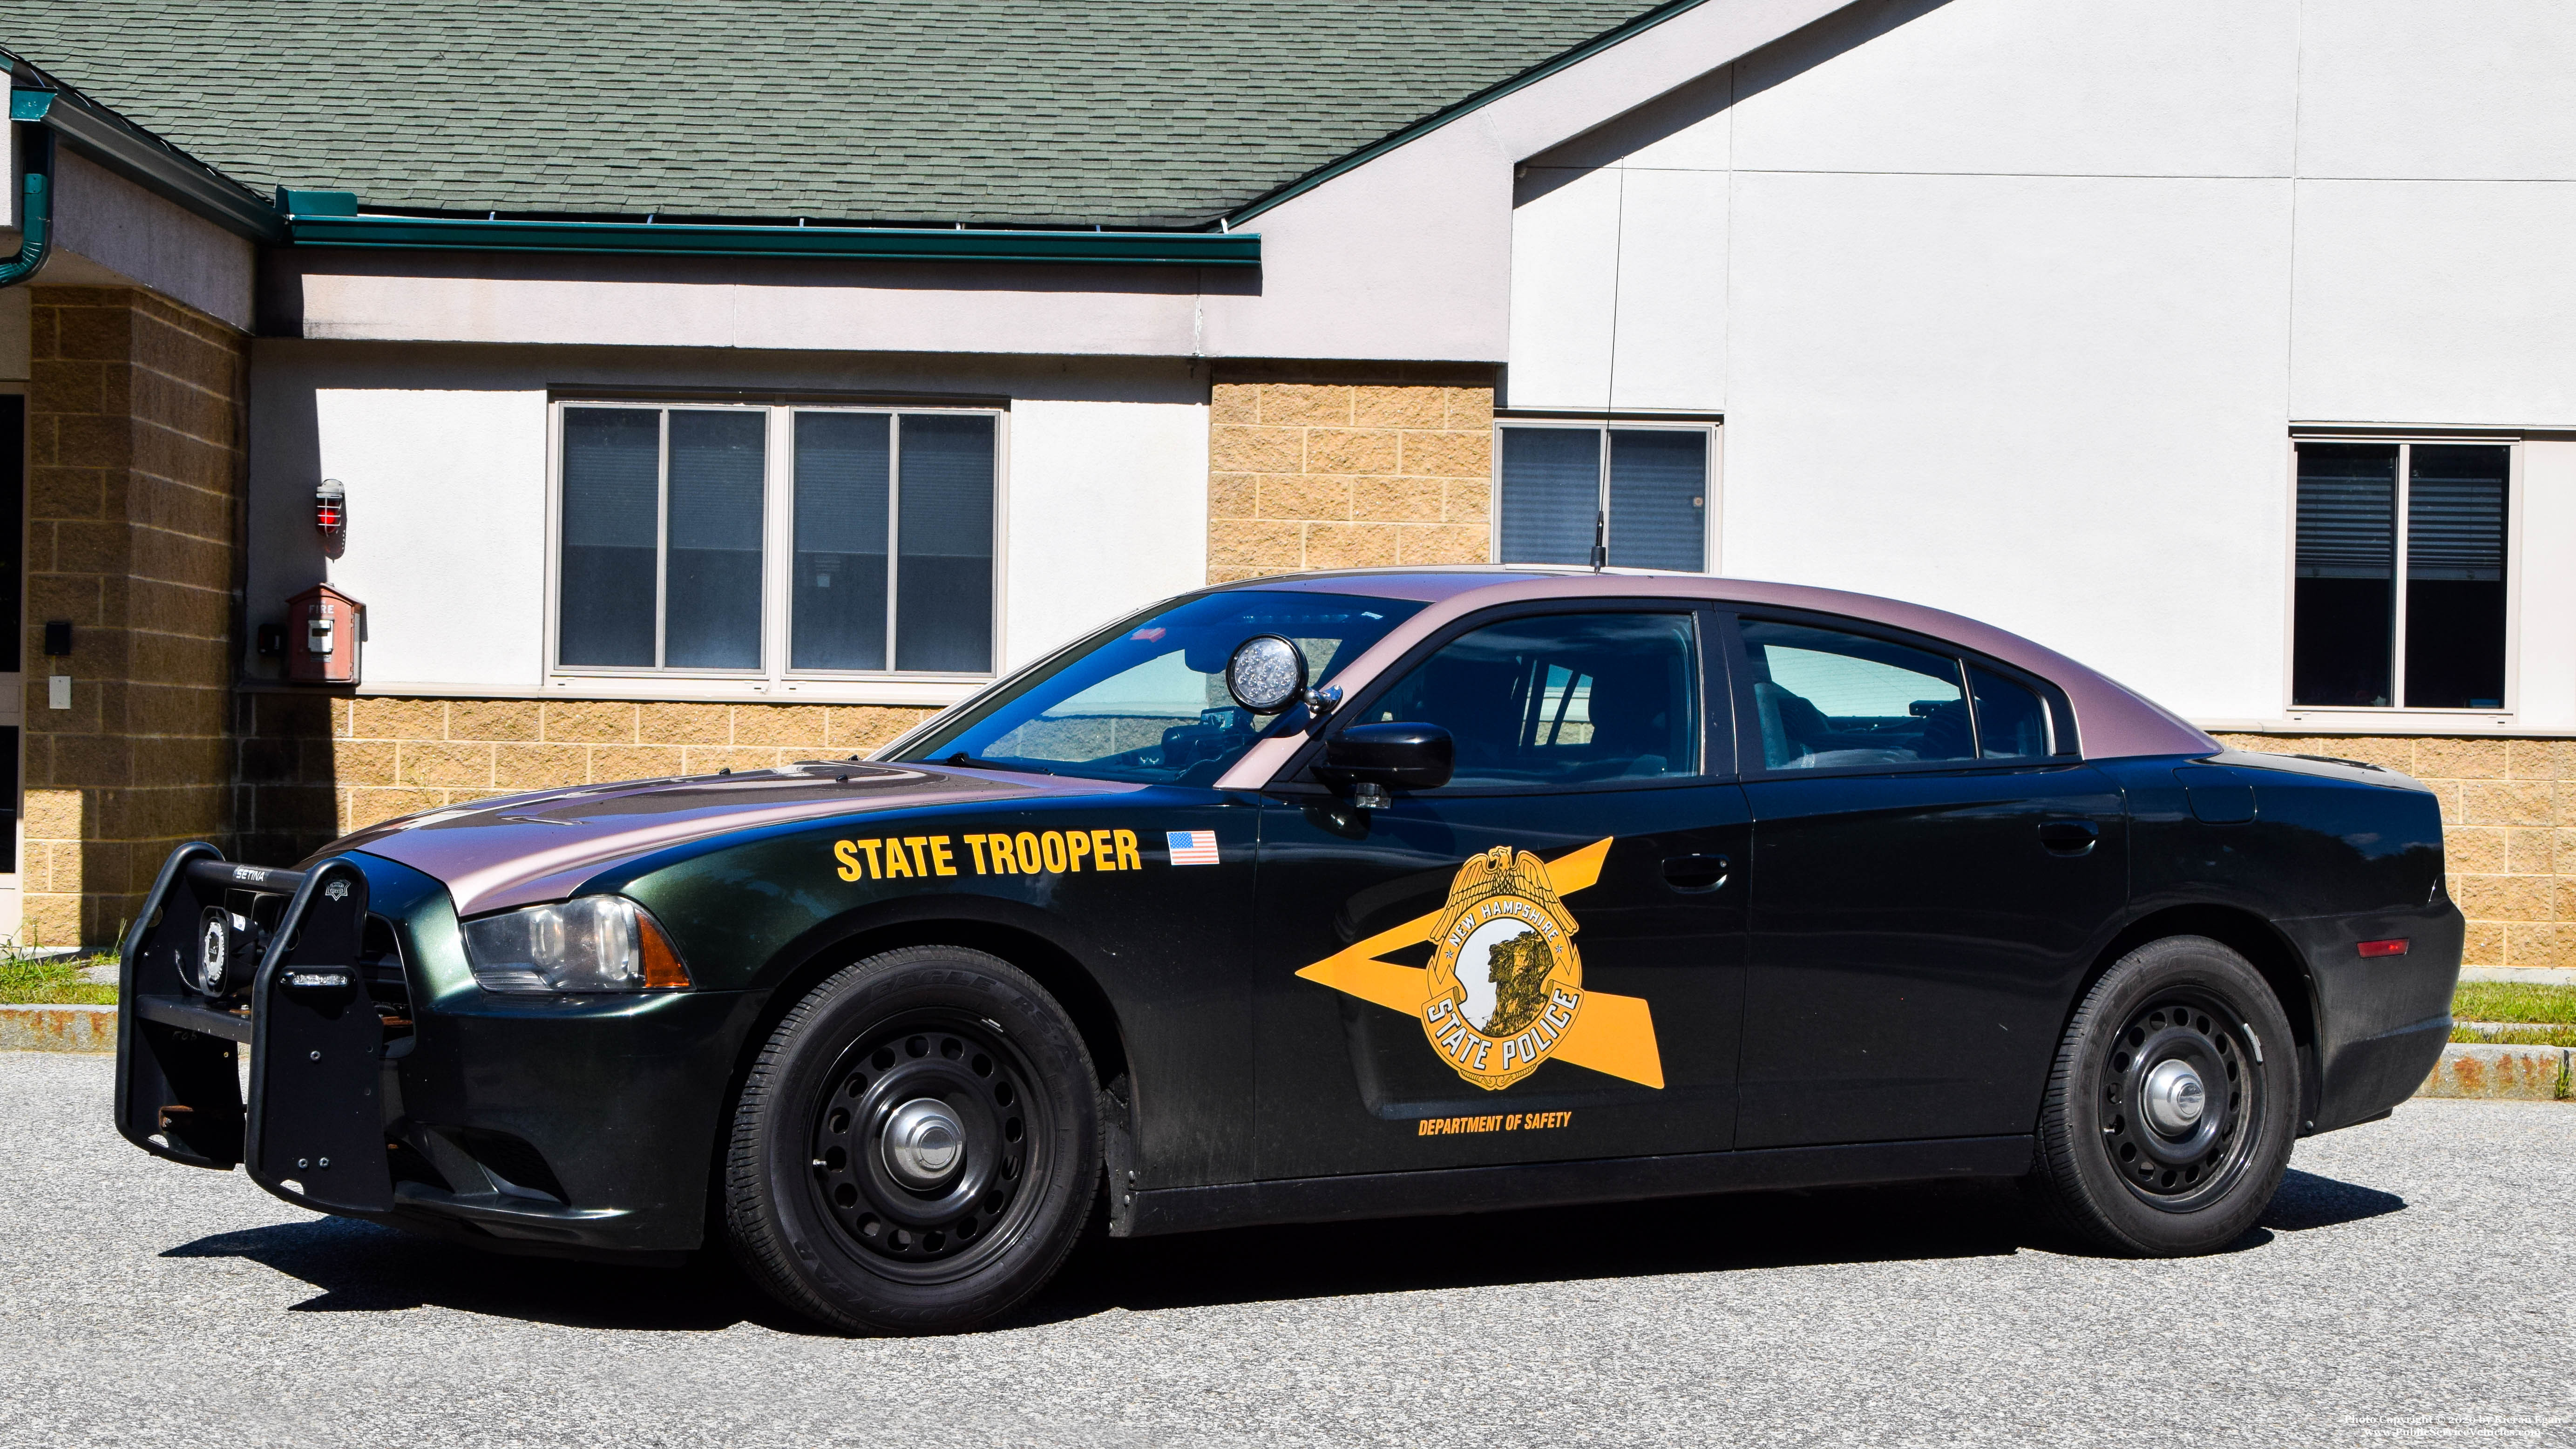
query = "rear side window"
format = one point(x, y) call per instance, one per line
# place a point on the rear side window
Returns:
point(1565, 699)
point(1826, 700)
point(2012, 724)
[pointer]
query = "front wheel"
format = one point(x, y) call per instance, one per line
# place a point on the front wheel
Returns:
point(2173, 1105)
point(916, 1148)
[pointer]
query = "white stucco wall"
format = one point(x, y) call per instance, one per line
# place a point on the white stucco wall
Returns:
point(2012, 306)
point(444, 451)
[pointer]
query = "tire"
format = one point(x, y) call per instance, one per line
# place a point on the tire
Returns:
point(917, 1147)
point(2122, 1160)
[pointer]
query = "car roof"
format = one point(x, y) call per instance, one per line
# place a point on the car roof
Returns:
point(2111, 720)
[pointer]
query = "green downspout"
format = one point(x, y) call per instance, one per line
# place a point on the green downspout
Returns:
point(27, 111)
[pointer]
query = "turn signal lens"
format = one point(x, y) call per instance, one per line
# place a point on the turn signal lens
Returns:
point(2385, 948)
point(662, 968)
point(592, 944)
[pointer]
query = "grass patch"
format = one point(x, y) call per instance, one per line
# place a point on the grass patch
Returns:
point(54, 982)
point(2514, 1001)
point(2549, 1036)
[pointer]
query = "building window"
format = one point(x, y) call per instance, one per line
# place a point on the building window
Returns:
point(1645, 489)
point(2368, 634)
point(670, 561)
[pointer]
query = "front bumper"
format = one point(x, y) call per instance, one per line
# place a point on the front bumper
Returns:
point(573, 1126)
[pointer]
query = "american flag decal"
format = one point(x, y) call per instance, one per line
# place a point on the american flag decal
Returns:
point(1192, 847)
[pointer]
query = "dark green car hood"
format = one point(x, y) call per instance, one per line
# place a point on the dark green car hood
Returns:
point(522, 849)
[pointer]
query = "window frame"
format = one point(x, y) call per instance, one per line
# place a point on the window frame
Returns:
point(2065, 747)
point(2396, 710)
point(1717, 750)
point(774, 676)
point(1711, 430)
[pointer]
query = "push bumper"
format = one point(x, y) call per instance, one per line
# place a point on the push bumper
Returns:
point(576, 1126)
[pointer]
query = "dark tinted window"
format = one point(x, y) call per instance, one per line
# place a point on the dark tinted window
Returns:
point(2346, 597)
point(2455, 534)
point(711, 587)
point(843, 473)
point(1561, 699)
point(1826, 700)
point(2012, 724)
point(612, 526)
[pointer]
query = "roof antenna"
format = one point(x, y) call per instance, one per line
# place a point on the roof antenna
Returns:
point(1600, 538)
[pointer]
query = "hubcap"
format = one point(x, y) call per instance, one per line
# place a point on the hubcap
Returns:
point(2174, 1097)
point(926, 1139)
point(2181, 1099)
point(923, 1140)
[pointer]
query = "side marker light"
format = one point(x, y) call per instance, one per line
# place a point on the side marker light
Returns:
point(662, 968)
point(2385, 948)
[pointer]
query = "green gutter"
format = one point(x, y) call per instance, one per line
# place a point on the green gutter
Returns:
point(1476, 102)
point(331, 219)
point(36, 221)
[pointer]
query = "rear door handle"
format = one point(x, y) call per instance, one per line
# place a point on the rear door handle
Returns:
point(1696, 872)
point(2069, 837)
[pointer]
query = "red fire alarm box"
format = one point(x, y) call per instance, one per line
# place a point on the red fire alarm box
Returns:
point(323, 631)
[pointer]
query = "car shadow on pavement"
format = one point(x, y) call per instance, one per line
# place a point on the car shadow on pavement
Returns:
point(1976, 1218)
point(362, 1268)
point(2308, 1201)
point(1538, 1245)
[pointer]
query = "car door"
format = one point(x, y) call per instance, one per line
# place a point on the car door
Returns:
point(1932, 869)
point(1541, 960)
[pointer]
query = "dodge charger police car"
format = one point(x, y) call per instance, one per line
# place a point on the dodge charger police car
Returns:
point(1330, 896)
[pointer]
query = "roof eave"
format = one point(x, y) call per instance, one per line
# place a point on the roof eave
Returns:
point(98, 134)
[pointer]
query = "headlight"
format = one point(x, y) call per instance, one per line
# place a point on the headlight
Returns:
point(595, 943)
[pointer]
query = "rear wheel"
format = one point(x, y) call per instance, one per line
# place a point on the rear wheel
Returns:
point(2173, 1106)
point(916, 1148)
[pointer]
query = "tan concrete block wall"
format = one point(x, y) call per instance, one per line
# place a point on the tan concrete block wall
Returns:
point(1314, 467)
point(136, 445)
point(310, 767)
point(2508, 832)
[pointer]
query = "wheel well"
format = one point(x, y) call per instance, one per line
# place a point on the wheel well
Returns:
point(1064, 978)
point(2251, 937)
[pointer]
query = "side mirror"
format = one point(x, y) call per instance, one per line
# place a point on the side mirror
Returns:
point(1399, 754)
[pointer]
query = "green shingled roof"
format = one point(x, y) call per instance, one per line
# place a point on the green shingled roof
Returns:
point(1117, 112)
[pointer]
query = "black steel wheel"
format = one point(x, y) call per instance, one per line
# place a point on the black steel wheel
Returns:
point(2171, 1112)
point(921, 1143)
point(916, 1148)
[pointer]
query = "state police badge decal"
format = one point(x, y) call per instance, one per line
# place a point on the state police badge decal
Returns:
point(1506, 982)
point(1504, 990)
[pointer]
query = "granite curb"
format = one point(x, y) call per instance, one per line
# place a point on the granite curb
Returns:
point(58, 1028)
point(2499, 1073)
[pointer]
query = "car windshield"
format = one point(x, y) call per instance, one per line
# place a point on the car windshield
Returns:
point(1145, 699)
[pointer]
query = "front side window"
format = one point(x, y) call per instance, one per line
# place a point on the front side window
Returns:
point(1644, 489)
point(2369, 634)
point(1145, 699)
point(668, 559)
point(1559, 700)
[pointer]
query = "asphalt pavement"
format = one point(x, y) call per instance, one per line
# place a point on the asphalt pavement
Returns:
point(2414, 1283)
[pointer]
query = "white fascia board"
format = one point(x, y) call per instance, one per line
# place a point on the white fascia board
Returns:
point(1408, 254)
